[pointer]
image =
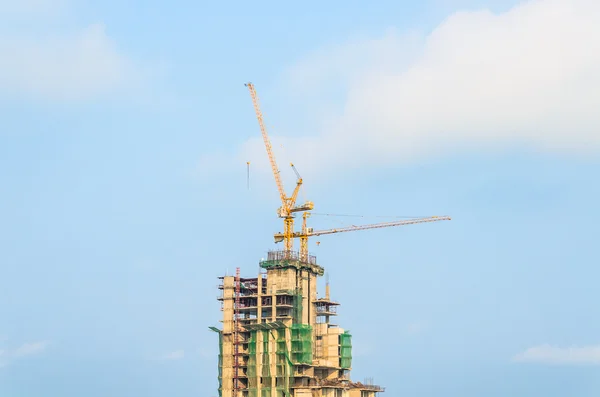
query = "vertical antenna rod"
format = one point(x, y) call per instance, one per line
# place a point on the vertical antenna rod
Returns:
point(248, 174)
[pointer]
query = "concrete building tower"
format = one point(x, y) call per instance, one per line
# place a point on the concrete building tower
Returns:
point(277, 339)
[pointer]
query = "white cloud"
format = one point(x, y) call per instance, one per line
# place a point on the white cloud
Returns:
point(26, 349)
point(39, 61)
point(526, 77)
point(174, 355)
point(30, 349)
point(64, 67)
point(547, 354)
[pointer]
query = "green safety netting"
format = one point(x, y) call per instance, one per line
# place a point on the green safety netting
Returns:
point(291, 259)
point(300, 352)
point(345, 350)
point(220, 364)
point(251, 372)
point(252, 343)
point(284, 363)
point(266, 364)
point(297, 310)
point(265, 390)
point(302, 343)
point(220, 376)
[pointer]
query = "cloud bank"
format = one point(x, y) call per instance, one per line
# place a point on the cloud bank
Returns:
point(546, 354)
point(45, 64)
point(528, 77)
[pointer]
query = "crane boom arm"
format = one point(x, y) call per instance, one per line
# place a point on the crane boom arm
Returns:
point(380, 225)
point(309, 233)
point(292, 199)
point(294, 196)
point(267, 141)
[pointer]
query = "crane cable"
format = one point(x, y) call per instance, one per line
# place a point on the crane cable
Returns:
point(248, 174)
point(345, 224)
point(368, 216)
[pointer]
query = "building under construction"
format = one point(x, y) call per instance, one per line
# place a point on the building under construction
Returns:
point(277, 338)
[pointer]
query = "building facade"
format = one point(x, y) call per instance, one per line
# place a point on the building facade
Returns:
point(277, 338)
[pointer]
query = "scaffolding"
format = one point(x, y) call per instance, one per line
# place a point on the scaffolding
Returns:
point(236, 334)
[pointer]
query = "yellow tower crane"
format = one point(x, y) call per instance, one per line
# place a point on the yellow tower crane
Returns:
point(288, 207)
point(288, 203)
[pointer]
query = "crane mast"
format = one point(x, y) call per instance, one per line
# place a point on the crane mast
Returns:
point(267, 141)
point(288, 204)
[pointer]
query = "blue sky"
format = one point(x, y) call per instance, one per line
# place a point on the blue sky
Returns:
point(124, 135)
